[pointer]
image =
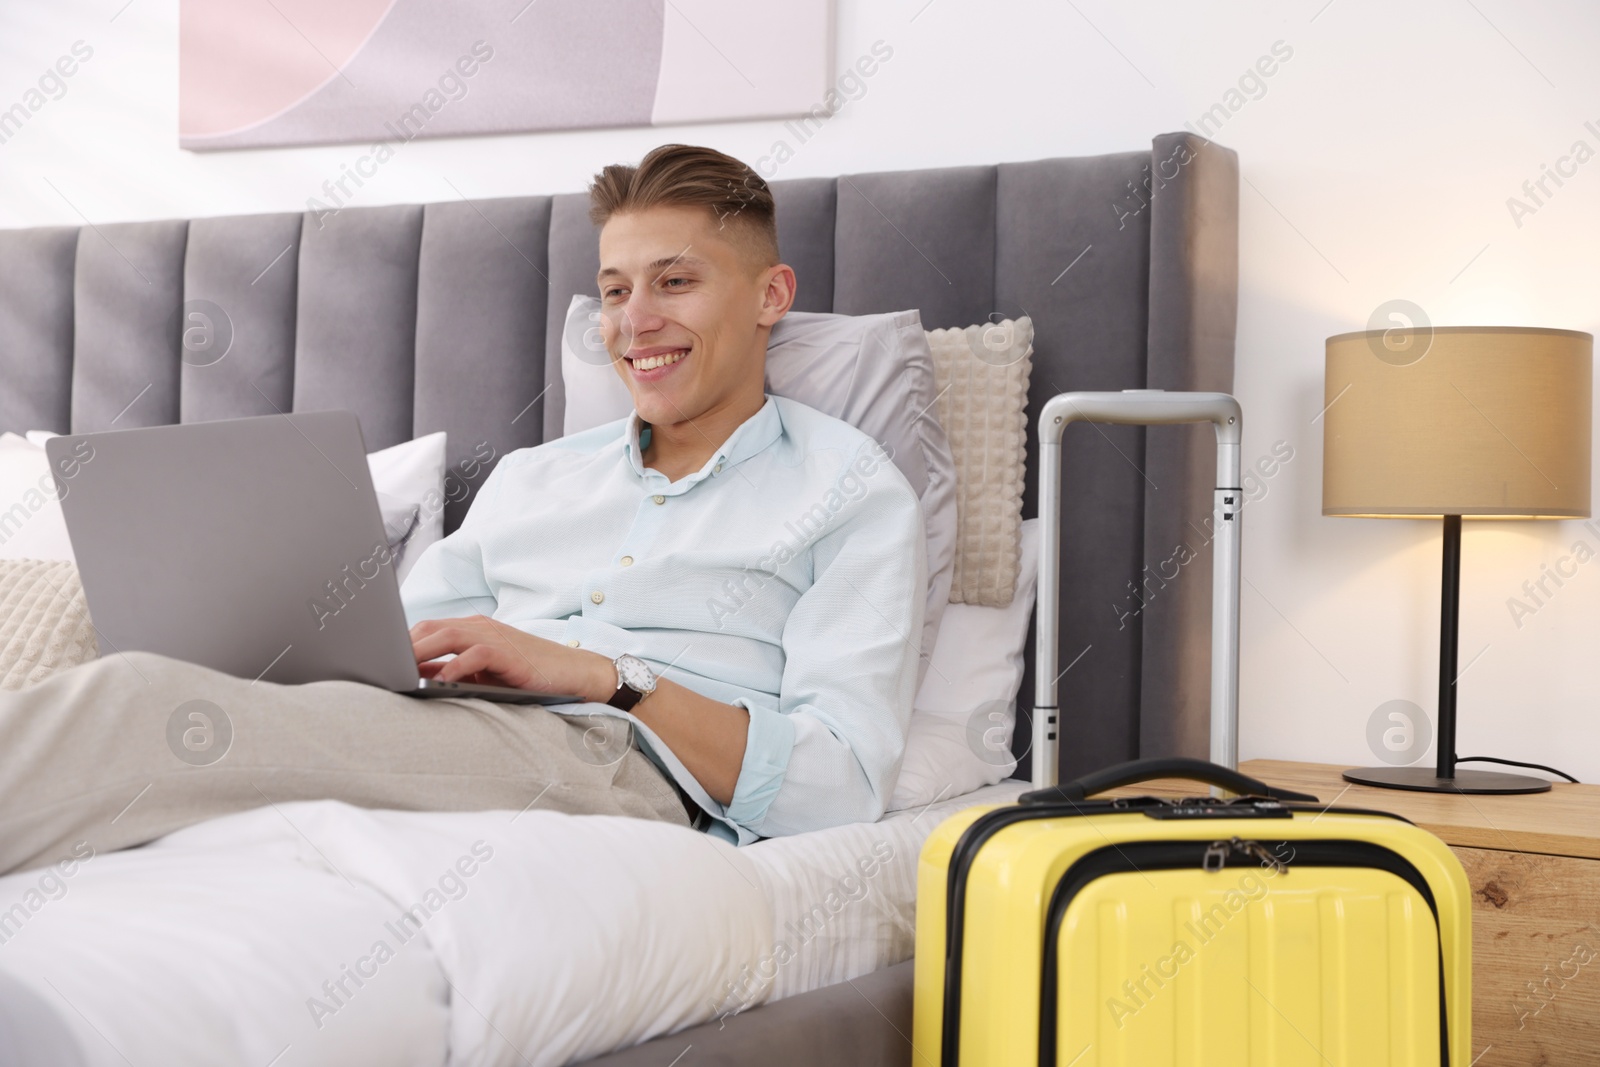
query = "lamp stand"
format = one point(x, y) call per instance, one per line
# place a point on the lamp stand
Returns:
point(1444, 778)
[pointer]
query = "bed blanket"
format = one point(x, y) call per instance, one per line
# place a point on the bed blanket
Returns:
point(319, 933)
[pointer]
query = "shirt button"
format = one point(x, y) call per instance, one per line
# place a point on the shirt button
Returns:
point(573, 643)
point(659, 499)
point(627, 561)
point(717, 469)
point(597, 596)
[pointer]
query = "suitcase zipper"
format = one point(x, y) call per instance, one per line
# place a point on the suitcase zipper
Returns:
point(1216, 855)
point(1177, 855)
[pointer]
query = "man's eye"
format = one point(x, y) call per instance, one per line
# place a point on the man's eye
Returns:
point(671, 281)
point(609, 293)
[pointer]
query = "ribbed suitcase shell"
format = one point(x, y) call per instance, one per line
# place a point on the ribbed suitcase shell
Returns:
point(1322, 965)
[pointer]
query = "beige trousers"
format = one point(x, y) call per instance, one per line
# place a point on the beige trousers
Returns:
point(128, 747)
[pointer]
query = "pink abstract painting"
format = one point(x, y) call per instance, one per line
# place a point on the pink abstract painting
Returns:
point(268, 73)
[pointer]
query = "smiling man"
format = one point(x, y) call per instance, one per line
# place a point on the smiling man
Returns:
point(650, 565)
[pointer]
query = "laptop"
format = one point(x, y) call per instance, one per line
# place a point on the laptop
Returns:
point(254, 546)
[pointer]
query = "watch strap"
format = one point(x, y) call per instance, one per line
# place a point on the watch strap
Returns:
point(625, 698)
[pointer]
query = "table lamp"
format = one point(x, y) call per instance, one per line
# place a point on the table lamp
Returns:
point(1452, 422)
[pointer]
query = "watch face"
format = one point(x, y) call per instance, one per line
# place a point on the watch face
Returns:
point(635, 674)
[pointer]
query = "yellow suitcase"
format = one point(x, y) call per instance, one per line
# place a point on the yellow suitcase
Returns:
point(1265, 930)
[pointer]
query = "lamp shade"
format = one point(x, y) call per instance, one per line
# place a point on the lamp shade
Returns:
point(1457, 420)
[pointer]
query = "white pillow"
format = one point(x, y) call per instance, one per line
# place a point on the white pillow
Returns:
point(966, 708)
point(408, 478)
point(595, 393)
point(873, 371)
point(31, 526)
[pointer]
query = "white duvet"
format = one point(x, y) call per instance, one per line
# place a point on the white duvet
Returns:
point(281, 936)
point(319, 933)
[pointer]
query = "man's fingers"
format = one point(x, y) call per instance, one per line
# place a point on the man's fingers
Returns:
point(432, 646)
point(485, 650)
point(481, 624)
point(475, 660)
point(455, 637)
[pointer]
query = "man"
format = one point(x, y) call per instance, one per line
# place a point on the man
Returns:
point(782, 712)
point(762, 681)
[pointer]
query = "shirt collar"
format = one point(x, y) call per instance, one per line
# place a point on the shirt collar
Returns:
point(751, 437)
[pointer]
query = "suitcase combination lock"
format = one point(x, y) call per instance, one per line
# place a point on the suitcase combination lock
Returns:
point(1216, 855)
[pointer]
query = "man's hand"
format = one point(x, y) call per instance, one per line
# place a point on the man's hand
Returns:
point(707, 735)
point(490, 652)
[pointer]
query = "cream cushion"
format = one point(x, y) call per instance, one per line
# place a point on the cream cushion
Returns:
point(44, 621)
point(982, 373)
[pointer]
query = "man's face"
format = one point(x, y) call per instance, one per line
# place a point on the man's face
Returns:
point(685, 312)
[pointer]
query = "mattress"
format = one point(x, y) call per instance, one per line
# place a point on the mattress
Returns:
point(319, 933)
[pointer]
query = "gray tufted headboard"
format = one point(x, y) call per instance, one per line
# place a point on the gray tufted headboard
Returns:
point(448, 316)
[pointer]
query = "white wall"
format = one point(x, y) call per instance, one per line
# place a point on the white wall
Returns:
point(1377, 165)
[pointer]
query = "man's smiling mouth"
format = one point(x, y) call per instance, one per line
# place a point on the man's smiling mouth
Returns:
point(656, 359)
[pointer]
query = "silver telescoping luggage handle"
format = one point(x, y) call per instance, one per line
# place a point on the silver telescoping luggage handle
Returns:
point(1141, 407)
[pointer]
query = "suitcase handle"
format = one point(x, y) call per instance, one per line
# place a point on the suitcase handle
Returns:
point(1139, 407)
point(1145, 770)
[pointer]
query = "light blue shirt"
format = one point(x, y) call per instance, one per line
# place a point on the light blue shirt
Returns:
point(787, 576)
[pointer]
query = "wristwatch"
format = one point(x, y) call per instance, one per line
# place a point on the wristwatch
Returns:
point(635, 681)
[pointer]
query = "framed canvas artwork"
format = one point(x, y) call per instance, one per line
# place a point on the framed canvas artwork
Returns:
point(271, 73)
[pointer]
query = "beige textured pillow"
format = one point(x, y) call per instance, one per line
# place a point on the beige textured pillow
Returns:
point(44, 621)
point(982, 376)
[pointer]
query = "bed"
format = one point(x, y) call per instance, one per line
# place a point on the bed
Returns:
point(252, 938)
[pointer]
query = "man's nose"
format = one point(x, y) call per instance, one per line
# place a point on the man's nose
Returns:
point(642, 316)
point(643, 312)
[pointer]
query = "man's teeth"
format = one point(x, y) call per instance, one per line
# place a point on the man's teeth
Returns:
point(652, 362)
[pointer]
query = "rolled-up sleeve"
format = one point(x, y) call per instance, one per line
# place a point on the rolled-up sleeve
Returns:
point(827, 750)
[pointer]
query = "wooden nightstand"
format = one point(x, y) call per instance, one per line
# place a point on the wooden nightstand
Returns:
point(1534, 863)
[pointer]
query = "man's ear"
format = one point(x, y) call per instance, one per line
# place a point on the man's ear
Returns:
point(777, 293)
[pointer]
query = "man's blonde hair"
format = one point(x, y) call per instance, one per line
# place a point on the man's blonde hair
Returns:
point(680, 174)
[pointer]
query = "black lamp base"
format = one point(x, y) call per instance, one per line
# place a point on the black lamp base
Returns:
point(1426, 780)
